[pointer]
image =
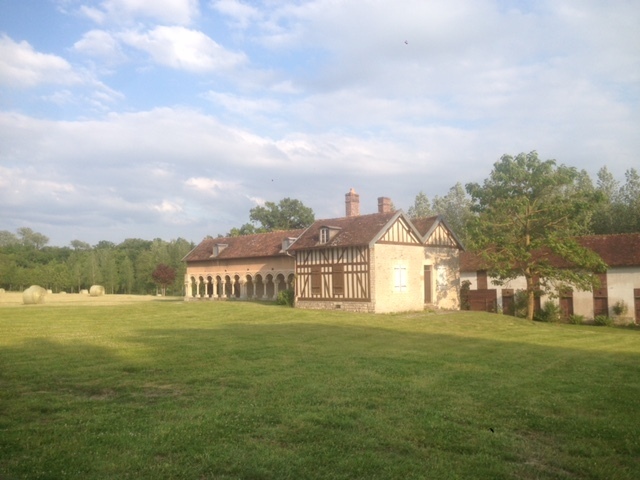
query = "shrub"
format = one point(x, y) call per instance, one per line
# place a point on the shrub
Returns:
point(520, 300)
point(464, 295)
point(550, 312)
point(603, 321)
point(620, 308)
point(576, 319)
point(286, 297)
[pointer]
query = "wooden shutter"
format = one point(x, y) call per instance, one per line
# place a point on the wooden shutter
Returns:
point(337, 278)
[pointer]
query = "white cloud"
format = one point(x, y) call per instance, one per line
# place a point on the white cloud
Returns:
point(240, 14)
point(242, 105)
point(180, 12)
point(100, 44)
point(21, 66)
point(184, 49)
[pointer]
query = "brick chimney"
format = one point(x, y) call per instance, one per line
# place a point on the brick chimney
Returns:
point(352, 203)
point(384, 205)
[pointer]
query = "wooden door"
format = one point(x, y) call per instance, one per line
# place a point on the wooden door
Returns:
point(636, 295)
point(427, 284)
point(566, 304)
point(508, 302)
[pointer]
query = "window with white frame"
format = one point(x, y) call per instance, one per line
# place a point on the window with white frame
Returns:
point(400, 275)
point(324, 235)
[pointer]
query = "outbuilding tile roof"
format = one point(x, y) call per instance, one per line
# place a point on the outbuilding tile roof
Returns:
point(621, 250)
point(350, 231)
point(246, 246)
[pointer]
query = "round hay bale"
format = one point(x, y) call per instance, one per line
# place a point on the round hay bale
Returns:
point(96, 290)
point(84, 292)
point(2, 291)
point(33, 295)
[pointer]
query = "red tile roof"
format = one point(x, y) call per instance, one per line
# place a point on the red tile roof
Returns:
point(424, 224)
point(352, 231)
point(246, 246)
point(622, 250)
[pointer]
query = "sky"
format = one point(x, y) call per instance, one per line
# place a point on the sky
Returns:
point(174, 118)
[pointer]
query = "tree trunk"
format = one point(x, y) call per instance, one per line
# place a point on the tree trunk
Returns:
point(531, 298)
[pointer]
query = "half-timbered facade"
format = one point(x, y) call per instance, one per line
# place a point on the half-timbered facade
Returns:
point(381, 262)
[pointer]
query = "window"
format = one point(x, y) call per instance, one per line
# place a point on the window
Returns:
point(400, 279)
point(324, 235)
point(316, 280)
point(337, 277)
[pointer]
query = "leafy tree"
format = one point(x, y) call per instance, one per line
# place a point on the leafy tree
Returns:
point(80, 245)
point(630, 198)
point(421, 207)
point(163, 276)
point(526, 210)
point(455, 207)
point(288, 214)
point(127, 277)
point(7, 238)
point(246, 229)
point(29, 238)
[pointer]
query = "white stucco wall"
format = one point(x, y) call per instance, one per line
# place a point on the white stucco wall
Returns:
point(384, 259)
point(620, 285)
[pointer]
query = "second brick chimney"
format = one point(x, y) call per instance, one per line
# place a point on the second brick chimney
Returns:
point(384, 205)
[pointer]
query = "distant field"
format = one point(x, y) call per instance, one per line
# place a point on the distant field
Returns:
point(15, 298)
point(232, 390)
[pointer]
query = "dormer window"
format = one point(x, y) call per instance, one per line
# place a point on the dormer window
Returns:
point(324, 235)
point(287, 242)
point(218, 248)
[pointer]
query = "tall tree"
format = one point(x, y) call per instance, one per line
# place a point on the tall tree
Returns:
point(288, 214)
point(455, 207)
point(421, 207)
point(33, 239)
point(526, 210)
point(630, 198)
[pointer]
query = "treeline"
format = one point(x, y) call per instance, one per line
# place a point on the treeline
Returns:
point(615, 208)
point(124, 268)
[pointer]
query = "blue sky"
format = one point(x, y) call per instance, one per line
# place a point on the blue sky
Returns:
point(173, 118)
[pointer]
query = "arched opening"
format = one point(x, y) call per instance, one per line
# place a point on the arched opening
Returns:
point(259, 287)
point(270, 287)
point(236, 286)
point(209, 286)
point(250, 287)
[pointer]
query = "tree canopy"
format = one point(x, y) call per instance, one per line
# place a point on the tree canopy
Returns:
point(288, 214)
point(526, 211)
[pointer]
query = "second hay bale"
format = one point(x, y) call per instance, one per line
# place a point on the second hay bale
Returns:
point(96, 290)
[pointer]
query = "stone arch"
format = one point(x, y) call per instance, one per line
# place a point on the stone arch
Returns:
point(250, 287)
point(209, 286)
point(281, 283)
point(259, 286)
point(237, 286)
point(270, 286)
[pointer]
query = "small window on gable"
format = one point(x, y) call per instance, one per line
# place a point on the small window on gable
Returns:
point(324, 235)
point(400, 274)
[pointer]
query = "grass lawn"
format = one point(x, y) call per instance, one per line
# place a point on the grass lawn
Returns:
point(230, 390)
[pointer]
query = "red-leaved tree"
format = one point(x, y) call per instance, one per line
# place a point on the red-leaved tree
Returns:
point(164, 275)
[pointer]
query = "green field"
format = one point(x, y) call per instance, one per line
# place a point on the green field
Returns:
point(230, 390)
